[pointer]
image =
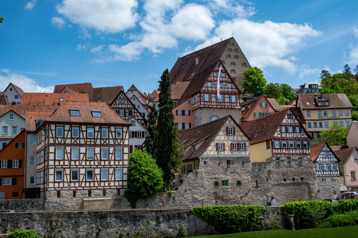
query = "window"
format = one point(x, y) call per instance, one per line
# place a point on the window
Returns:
point(104, 153)
point(232, 63)
point(283, 144)
point(325, 113)
point(234, 146)
point(90, 132)
point(268, 146)
point(58, 175)
point(74, 175)
point(75, 153)
point(118, 173)
point(348, 123)
point(119, 154)
point(242, 146)
point(326, 124)
point(263, 104)
point(315, 124)
point(230, 130)
point(11, 116)
point(288, 161)
point(299, 161)
point(341, 123)
point(75, 132)
point(59, 153)
point(320, 113)
point(104, 132)
point(32, 179)
point(96, 114)
point(4, 130)
point(15, 163)
point(340, 112)
point(225, 183)
point(232, 71)
point(309, 124)
point(118, 133)
point(6, 181)
point(292, 144)
point(289, 128)
point(304, 145)
point(353, 175)
point(297, 129)
point(233, 98)
point(59, 131)
point(32, 160)
point(89, 174)
point(104, 174)
point(187, 112)
point(277, 162)
point(14, 130)
point(20, 145)
point(298, 144)
point(220, 98)
point(220, 146)
point(346, 112)
point(209, 84)
point(283, 129)
point(334, 113)
point(75, 113)
point(320, 124)
point(277, 144)
point(121, 112)
point(90, 153)
point(308, 113)
point(179, 112)
point(130, 112)
point(206, 97)
point(213, 118)
point(32, 140)
point(4, 164)
point(228, 56)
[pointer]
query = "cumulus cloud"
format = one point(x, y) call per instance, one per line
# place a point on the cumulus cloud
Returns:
point(109, 16)
point(353, 55)
point(25, 83)
point(355, 31)
point(30, 5)
point(58, 22)
point(306, 71)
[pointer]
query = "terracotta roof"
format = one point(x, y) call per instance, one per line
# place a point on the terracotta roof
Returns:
point(108, 115)
point(316, 150)
point(52, 98)
point(154, 94)
point(18, 90)
point(274, 104)
point(338, 147)
point(31, 118)
point(204, 133)
point(252, 103)
point(178, 90)
point(189, 65)
point(343, 154)
point(22, 109)
point(105, 94)
point(309, 101)
point(77, 87)
point(3, 100)
point(298, 113)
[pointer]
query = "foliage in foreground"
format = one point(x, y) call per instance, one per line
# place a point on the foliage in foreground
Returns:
point(335, 135)
point(145, 179)
point(23, 234)
point(346, 219)
point(311, 214)
point(231, 218)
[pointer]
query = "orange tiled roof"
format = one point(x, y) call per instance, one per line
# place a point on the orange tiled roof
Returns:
point(52, 98)
point(154, 94)
point(274, 104)
point(316, 150)
point(343, 154)
point(77, 87)
point(104, 94)
point(338, 100)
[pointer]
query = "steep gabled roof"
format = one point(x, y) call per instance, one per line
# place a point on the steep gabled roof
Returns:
point(133, 88)
point(317, 148)
point(263, 128)
point(274, 104)
point(343, 154)
point(154, 94)
point(189, 65)
point(205, 133)
point(76, 87)
point(17, 89)
point(3, 100)
point(22, 109)
point(178, 90)
point(105, 94)
point(338, 100)
point(52, 98)
point(108, 115)
point(252, 102)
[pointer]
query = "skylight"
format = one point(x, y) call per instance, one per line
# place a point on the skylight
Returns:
point(75, 113)
point(96, 113)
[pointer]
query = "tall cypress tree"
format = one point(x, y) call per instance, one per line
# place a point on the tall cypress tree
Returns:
point(168, 150)
point(149, 142)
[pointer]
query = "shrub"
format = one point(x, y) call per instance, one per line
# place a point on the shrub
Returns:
point(312, 213)
point(229, 219)
point(346, 219)
point(23, 234)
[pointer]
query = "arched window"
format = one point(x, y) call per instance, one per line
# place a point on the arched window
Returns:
point(232, 63)
point(236, 50)
point(233, 71)
point(228, 56)
point(229, 49)
point(236, 56)
point(244, 64)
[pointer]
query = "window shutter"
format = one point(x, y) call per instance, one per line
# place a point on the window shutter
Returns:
point(9, 163)
point(0, 181)
point(183, 112)
point(308, 144)
point(183, 126)
point(13, 181)
point(244, 146)
point(238, 146)
point(130, 149)
point(189, 125)
point(20, 164)
point(217, 146)
point(231, 146)
point(189, 112)
point(224, 146)
point(227, 130)
point(234, 131)
point(176, 112)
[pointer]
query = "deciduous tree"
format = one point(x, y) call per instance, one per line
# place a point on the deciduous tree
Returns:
point(273, 90)
point(335, 135)
point(255, 82)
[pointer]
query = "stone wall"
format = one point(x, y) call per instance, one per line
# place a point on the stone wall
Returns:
point(328, 187)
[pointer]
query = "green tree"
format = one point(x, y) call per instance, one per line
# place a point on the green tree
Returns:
point(168, 150)
point(145, 178)
point(355, 115)
point(23, 234)
point(335, 135)
point(325, 78)
point(347, 71)
point(255, 82)
point(273, 90)
point(287, 92)
point(1, 19)
point(282, 100)
point(149, 143)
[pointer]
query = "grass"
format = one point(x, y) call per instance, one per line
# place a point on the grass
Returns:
point(346, 232)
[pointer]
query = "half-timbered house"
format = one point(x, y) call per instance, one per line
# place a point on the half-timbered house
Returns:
point(137, 135)
point(257, 107)
point(142, 97)
point(82, 150)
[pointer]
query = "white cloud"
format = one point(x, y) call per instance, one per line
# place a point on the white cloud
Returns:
point(25, 83)
point(30, 5)
point(307, 72)
point(97, 49)
point(58, 22)
point(109, 16)
point(353, 56)
point(355, 30)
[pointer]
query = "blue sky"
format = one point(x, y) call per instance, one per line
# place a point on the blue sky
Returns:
point(124, 42)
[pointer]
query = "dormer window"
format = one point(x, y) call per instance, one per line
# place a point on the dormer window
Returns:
point(96, 114)
point(75, 113)
point(61, 99)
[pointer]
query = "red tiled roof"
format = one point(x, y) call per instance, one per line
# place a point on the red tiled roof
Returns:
point(22, 109)
point(31, 118)
point(52, 98)
point(343, 154)
point(178, 90)
point(316, 150)
point(105, 94)
point(77, 87)
point(18, 90)
point(189, 65)
point(109, 116)
point(154, 94)
point(309, 101)
point(274, 104)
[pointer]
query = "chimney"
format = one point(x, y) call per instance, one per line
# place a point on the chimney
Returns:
point(196, 60)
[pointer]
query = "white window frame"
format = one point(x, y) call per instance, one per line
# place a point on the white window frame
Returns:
point(32, 140)
point(11, 116)
point(32, 161)
point(104, 132)
point(57, 150)
point(87, 173)
point(119, 135)
point(104, 153)
point(74, 128)
point(90, 151)
point(59, 131)
point(119, 153)
point(15, 163)
point(33, 179)
point(90, 132)
point(230, 130)
point(4, 163)
point(75, 151)
point(277, 144)
point(61, 171)
point(221, 146)
point(104, 174)
point(326, 124)
point(118, 174)
point(5, 130)
point(6, 181)
point(73, 171)
point(308, 113)
point(346, 112)
point(12, 131)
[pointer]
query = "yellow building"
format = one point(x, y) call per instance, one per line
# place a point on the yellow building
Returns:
point(322, 111)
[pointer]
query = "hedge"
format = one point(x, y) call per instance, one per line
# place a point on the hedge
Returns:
point(231, 218)
point(312, 213)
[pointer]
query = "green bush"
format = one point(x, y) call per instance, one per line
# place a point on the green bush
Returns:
point(229, 219)
point(24, 234)
point(312, 213)
point(346, 219)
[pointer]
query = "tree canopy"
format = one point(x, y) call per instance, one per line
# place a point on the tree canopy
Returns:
point(145, 178)
point(340, 82)
point(335, 135)
point(1, 19)
point(255, 82)
point(149, 143)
